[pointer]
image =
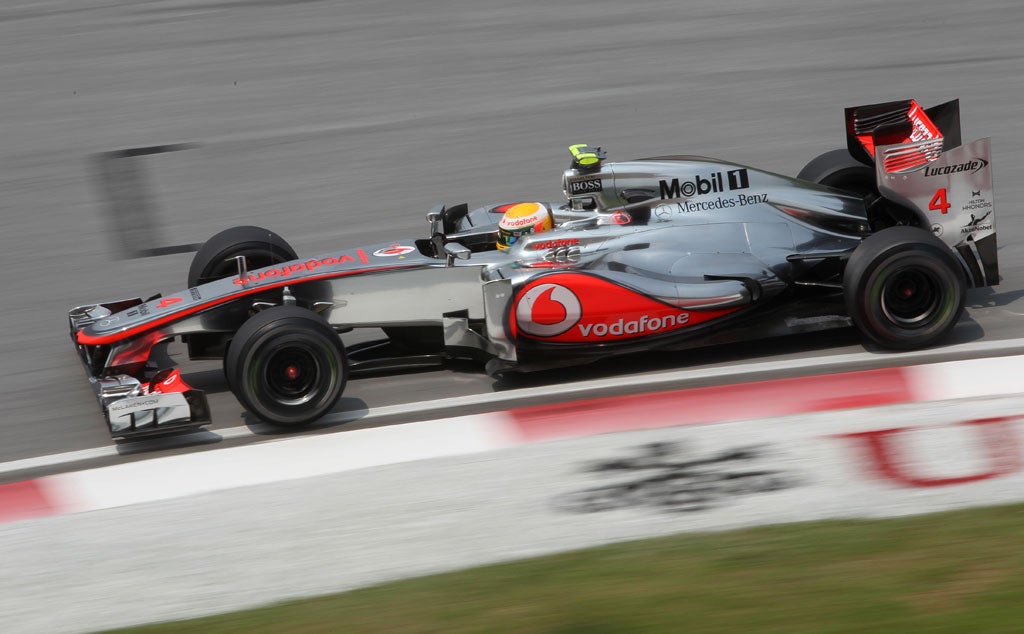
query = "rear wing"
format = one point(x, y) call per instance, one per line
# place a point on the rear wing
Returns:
point(898, 122)
point(953, 195)
point(921, 164)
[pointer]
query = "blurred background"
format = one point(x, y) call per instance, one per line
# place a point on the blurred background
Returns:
point(335, 122)
point(341, 123)
point(131, 130)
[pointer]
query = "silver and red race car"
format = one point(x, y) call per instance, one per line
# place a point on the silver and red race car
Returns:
point(664, 253)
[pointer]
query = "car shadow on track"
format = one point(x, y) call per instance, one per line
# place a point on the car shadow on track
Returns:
point(988, 298)
point(844, 340)
point(353, 413)
point(348, 412)
point(211, 381)
point(777, 349)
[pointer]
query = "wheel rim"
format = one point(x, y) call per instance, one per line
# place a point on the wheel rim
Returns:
point(293, 375)
point(912, 298)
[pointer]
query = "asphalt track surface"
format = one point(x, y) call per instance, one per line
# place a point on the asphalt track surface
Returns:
point(339, 124)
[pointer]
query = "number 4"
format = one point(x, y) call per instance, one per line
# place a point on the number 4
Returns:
point(938, 201)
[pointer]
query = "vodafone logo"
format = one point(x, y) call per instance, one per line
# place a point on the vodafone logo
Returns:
point(548, 310)
point(581, 308)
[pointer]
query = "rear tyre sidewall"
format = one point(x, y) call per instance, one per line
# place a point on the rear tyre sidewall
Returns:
point(839, 170)
point(904, 288)
point(269, 346)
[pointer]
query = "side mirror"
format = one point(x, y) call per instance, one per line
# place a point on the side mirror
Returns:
point(436, 219)
point(454, 250)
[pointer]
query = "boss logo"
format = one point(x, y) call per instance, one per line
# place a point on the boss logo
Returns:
point(586, 187)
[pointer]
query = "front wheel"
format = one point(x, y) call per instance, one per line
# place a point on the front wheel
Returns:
point(287, 366)
point(904, 288)
point(215, 259)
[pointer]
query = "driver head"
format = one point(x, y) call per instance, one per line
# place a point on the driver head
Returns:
point(523, 219)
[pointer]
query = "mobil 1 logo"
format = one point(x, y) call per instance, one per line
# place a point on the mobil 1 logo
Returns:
point(716, 183)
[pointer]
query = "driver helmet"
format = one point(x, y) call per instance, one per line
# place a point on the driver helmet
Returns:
point(522, 219)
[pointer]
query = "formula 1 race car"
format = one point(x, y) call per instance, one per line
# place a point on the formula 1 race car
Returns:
point(663, 253)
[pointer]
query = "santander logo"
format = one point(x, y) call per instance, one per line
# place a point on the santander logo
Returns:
point(548, 310)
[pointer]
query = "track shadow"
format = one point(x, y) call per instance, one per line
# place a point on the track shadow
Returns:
point(211, 381)
point(355, 409)
point(838, 341)
point(184, 439)
point(988, 298)
point(694, 358)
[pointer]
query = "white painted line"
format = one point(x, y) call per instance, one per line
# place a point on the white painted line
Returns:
point(969, 378)
point(41, 462)
point(679, 379)
point(291, 459)
point(52, 460)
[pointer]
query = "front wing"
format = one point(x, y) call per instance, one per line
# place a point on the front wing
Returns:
point(131, 407)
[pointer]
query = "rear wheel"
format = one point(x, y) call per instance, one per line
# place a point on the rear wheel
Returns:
point(287, 366)
point(904, 288)
point(840, 170)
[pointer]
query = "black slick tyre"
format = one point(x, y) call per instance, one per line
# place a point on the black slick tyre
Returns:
point(904, 288)
point(215, 259)
point(839, 170)
point(287, 366)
